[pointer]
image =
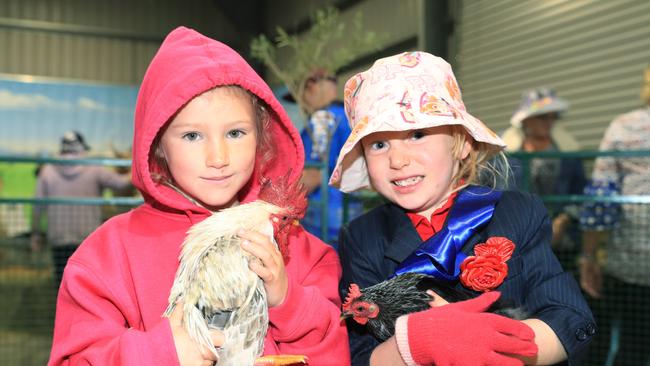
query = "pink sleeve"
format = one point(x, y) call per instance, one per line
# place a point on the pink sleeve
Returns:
point(90, 327)
point(308, 321)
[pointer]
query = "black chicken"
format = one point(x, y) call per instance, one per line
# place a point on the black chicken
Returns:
point(380, 305)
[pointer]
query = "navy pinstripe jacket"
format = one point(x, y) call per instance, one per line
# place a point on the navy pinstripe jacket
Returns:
point(374, 244)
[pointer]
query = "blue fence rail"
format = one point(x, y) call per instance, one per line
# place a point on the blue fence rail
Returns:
point(524, 158)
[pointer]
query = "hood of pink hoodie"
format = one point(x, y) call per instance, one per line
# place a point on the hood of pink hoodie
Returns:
point(186, 65)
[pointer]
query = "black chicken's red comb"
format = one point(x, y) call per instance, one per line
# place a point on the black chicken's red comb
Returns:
point(353, 293)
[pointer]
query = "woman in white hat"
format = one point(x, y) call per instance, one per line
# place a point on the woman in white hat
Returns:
point(414, 142)
point(535, 128)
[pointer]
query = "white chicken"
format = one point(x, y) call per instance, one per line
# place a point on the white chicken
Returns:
point(215, 284)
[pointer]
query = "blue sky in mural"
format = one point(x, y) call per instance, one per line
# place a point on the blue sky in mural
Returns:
point(34, 115)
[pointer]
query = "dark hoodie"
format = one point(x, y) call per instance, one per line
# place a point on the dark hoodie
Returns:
point(116, 285)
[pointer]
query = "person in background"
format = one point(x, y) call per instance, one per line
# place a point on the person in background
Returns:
point(325, 133)
point(535, 128)
point(69, 224)
point(414, 142)
point(619, 281)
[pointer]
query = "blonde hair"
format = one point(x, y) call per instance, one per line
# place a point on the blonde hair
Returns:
point(484, 165)
point(265, 151)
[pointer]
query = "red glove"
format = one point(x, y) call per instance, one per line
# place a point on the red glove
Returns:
point(462, 334)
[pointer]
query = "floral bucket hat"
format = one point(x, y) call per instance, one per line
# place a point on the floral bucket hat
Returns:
point(536, 102)
point(412, 90)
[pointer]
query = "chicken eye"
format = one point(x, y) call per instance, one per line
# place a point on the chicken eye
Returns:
point(359, 308)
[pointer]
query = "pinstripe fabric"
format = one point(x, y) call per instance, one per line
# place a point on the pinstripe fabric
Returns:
point(373, 245)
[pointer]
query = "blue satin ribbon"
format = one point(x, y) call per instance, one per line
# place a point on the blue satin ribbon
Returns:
point(440, 256)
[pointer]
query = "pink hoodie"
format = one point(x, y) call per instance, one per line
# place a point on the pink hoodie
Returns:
point(115, 286)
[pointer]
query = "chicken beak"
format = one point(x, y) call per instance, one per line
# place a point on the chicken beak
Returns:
point(345, 315)
point(295, 223)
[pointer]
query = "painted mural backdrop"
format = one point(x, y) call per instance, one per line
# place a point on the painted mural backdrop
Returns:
point(35, 114)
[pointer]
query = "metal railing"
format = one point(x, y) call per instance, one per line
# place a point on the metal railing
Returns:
point(25, 287)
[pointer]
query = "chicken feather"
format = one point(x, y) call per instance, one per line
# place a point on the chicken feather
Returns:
point(216, 286)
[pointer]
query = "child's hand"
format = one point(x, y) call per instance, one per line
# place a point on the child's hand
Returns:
point(591, 277)
point(437, 299)
point(190, 353)
point(462, 334)
point(270, 266)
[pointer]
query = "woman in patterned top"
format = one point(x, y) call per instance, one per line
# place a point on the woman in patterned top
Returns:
point(621, 284)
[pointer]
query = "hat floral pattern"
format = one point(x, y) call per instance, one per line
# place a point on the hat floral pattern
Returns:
point(454, 90)
point(409, 59)
point(406, 109)
point(349, 94)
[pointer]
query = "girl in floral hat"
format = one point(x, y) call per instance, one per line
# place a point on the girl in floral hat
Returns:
point(414, 142)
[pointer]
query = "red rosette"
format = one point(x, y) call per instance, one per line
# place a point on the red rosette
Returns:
point(487, 269)
point(496, 245)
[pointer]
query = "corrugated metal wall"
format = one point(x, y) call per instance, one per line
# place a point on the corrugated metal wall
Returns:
point(592, 52)
point(393, 21)
point(111, 41)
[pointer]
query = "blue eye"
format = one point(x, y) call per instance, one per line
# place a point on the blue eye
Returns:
point(417, 134)
point(236, 133)
point(191, 136)
point(378, 145)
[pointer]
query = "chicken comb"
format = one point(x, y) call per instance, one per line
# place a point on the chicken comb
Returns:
point(353, 293)
point(281, 192)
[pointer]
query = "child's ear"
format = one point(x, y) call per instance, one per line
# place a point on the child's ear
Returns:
point(467, 148)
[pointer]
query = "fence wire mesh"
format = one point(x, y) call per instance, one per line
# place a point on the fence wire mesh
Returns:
point(28, 274)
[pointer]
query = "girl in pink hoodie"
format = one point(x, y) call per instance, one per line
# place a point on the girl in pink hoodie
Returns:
point(197, 125)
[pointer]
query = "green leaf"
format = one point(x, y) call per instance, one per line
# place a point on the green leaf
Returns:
point(328, 44)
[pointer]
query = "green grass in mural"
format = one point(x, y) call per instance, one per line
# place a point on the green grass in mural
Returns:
point(17, 180)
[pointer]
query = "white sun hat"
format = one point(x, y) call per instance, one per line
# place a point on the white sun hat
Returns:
point(536, 102)
point(412, 90)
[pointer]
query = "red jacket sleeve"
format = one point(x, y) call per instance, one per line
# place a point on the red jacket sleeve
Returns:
point(308, 321)
point(91, 326)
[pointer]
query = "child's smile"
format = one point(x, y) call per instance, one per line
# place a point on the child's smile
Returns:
point(408, 182)
point(222, 179)
point(413, 169)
